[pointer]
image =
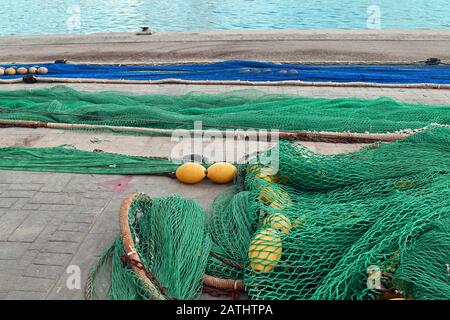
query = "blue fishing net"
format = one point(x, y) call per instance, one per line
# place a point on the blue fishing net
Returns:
point(255, 72)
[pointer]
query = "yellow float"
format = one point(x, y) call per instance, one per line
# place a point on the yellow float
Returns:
point(190, 173)
point(42, 70)
point(278, 221)
point(271, 175)
point(10, 71)
point(32, 70)
point(2, 71)
point(276, 199)
point(22, 70)
point(265, 250)
point(221, 172)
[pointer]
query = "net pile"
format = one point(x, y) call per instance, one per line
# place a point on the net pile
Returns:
point(373, 224)
point(253, 71)
point(169, 235)
point(338, 218)
point(236, 110)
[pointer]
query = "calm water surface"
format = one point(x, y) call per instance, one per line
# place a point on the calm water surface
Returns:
point(24, 17)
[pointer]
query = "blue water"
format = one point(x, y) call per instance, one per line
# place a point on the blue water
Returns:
point(25, 17)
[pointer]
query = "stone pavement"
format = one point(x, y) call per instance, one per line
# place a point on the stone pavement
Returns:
point(51, 221)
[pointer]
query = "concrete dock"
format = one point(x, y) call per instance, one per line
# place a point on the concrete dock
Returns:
point(369, 46)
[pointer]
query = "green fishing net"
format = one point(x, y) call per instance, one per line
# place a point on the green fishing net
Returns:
point(337, 217)
point(170, 238)
point(231, 226)
point(235, 110)
point(71, 160)
point(372, 224)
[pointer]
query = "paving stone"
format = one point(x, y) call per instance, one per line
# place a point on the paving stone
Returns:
point(84, 202)
point(10, 221)
point(73, 226)
point(21, 177)
point(52, 259)
point(31, 206)
point(12, 250)
point(87, 218)
point(16, 267)
point(24, 295)
point(25, 186)
point(82, 209)
point(53, 198)
point(68, 236)
point(10, 268)
point(19, 204)
point(43, 271)
point(31, 284)
point(41, 242)
point(57, 183)
point(7, 202)
point(17, 194)
point(61, 208)
point(60, 247)
point(108, 221)
point(26, 233)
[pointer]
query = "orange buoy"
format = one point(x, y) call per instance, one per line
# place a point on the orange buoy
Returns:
point(190, 173)
point(265, 250)
point(42, 70)
point(10, 71)
point(22, 70)
point(221, 172)
point(32, 70)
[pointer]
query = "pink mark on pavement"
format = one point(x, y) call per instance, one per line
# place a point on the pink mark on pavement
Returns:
point(117, 185)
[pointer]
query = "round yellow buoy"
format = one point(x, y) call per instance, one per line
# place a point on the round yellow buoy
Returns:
point(265, 250)
point(282, 201)
point(278, 221)
point(253, 168)
point(22, 70)
point(32, 70)
point(221, 172)
point(10, 71)
point(2, 71)
point(271, 175)
point(298, 222)
point(277, 199)
point(42, 70)
point(191, 173)
point(267, 194)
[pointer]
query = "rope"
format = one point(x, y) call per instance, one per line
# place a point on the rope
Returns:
point(131, 253)
point(345, 137)
point(249, 83)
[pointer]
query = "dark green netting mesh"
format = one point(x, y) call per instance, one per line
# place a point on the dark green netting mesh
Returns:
point(237, 110)
point(373, 224)
point(231, 227)
point(345, 213)
point(170, 237)
point(425, 269)
point(71, 160)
